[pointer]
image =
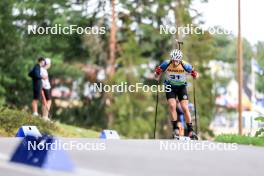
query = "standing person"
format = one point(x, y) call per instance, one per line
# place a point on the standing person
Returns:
point(36, 84)
point(46, 89)
point(176, 71)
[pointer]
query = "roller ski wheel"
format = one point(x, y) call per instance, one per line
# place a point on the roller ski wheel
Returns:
point(176, 134)
point(193, 136)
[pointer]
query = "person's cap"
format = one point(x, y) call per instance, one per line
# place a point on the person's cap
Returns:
point(47, 61)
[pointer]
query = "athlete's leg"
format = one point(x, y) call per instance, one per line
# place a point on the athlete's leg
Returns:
point(186, 111)
point(184, 101)
point(171, 99)
point(187, 115)
point(183, 98)
point(172, 108)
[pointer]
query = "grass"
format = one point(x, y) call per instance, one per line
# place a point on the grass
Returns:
point(72, 131)
point(12, 119)
point(248, 140)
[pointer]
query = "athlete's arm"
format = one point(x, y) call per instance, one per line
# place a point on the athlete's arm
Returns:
point(161, 68)
point(189, 68)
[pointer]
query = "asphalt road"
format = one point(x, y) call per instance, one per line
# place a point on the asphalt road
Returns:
point(97, 157)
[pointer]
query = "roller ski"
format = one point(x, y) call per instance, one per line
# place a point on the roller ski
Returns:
point(190, 134)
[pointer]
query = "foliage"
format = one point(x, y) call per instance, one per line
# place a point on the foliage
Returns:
point(12, 119)
point(260, 132)
point(260, 59)
point(231, 138)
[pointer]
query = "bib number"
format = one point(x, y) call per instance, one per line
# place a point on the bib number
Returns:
point(176, 77)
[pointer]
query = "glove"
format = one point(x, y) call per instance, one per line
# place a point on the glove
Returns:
point(194, 74)
point(158, 70)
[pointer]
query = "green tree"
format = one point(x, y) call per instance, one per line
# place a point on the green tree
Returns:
point(260, 60)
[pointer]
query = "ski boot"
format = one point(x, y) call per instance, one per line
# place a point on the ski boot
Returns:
point(176, 134)
point(191, 133)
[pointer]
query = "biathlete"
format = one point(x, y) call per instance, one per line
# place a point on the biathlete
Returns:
point(176, 71)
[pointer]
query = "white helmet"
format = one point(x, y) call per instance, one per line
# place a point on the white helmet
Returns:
point(176, 55)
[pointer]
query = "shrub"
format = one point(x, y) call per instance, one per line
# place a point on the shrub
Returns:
point(12, 119)
point(232, 138)
point(260, 132)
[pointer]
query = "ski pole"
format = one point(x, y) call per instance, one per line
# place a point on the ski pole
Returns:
point(179, 43)
point(156, 112)
point(195, 112)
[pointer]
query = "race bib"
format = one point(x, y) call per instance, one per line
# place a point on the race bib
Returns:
point(176, 77)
